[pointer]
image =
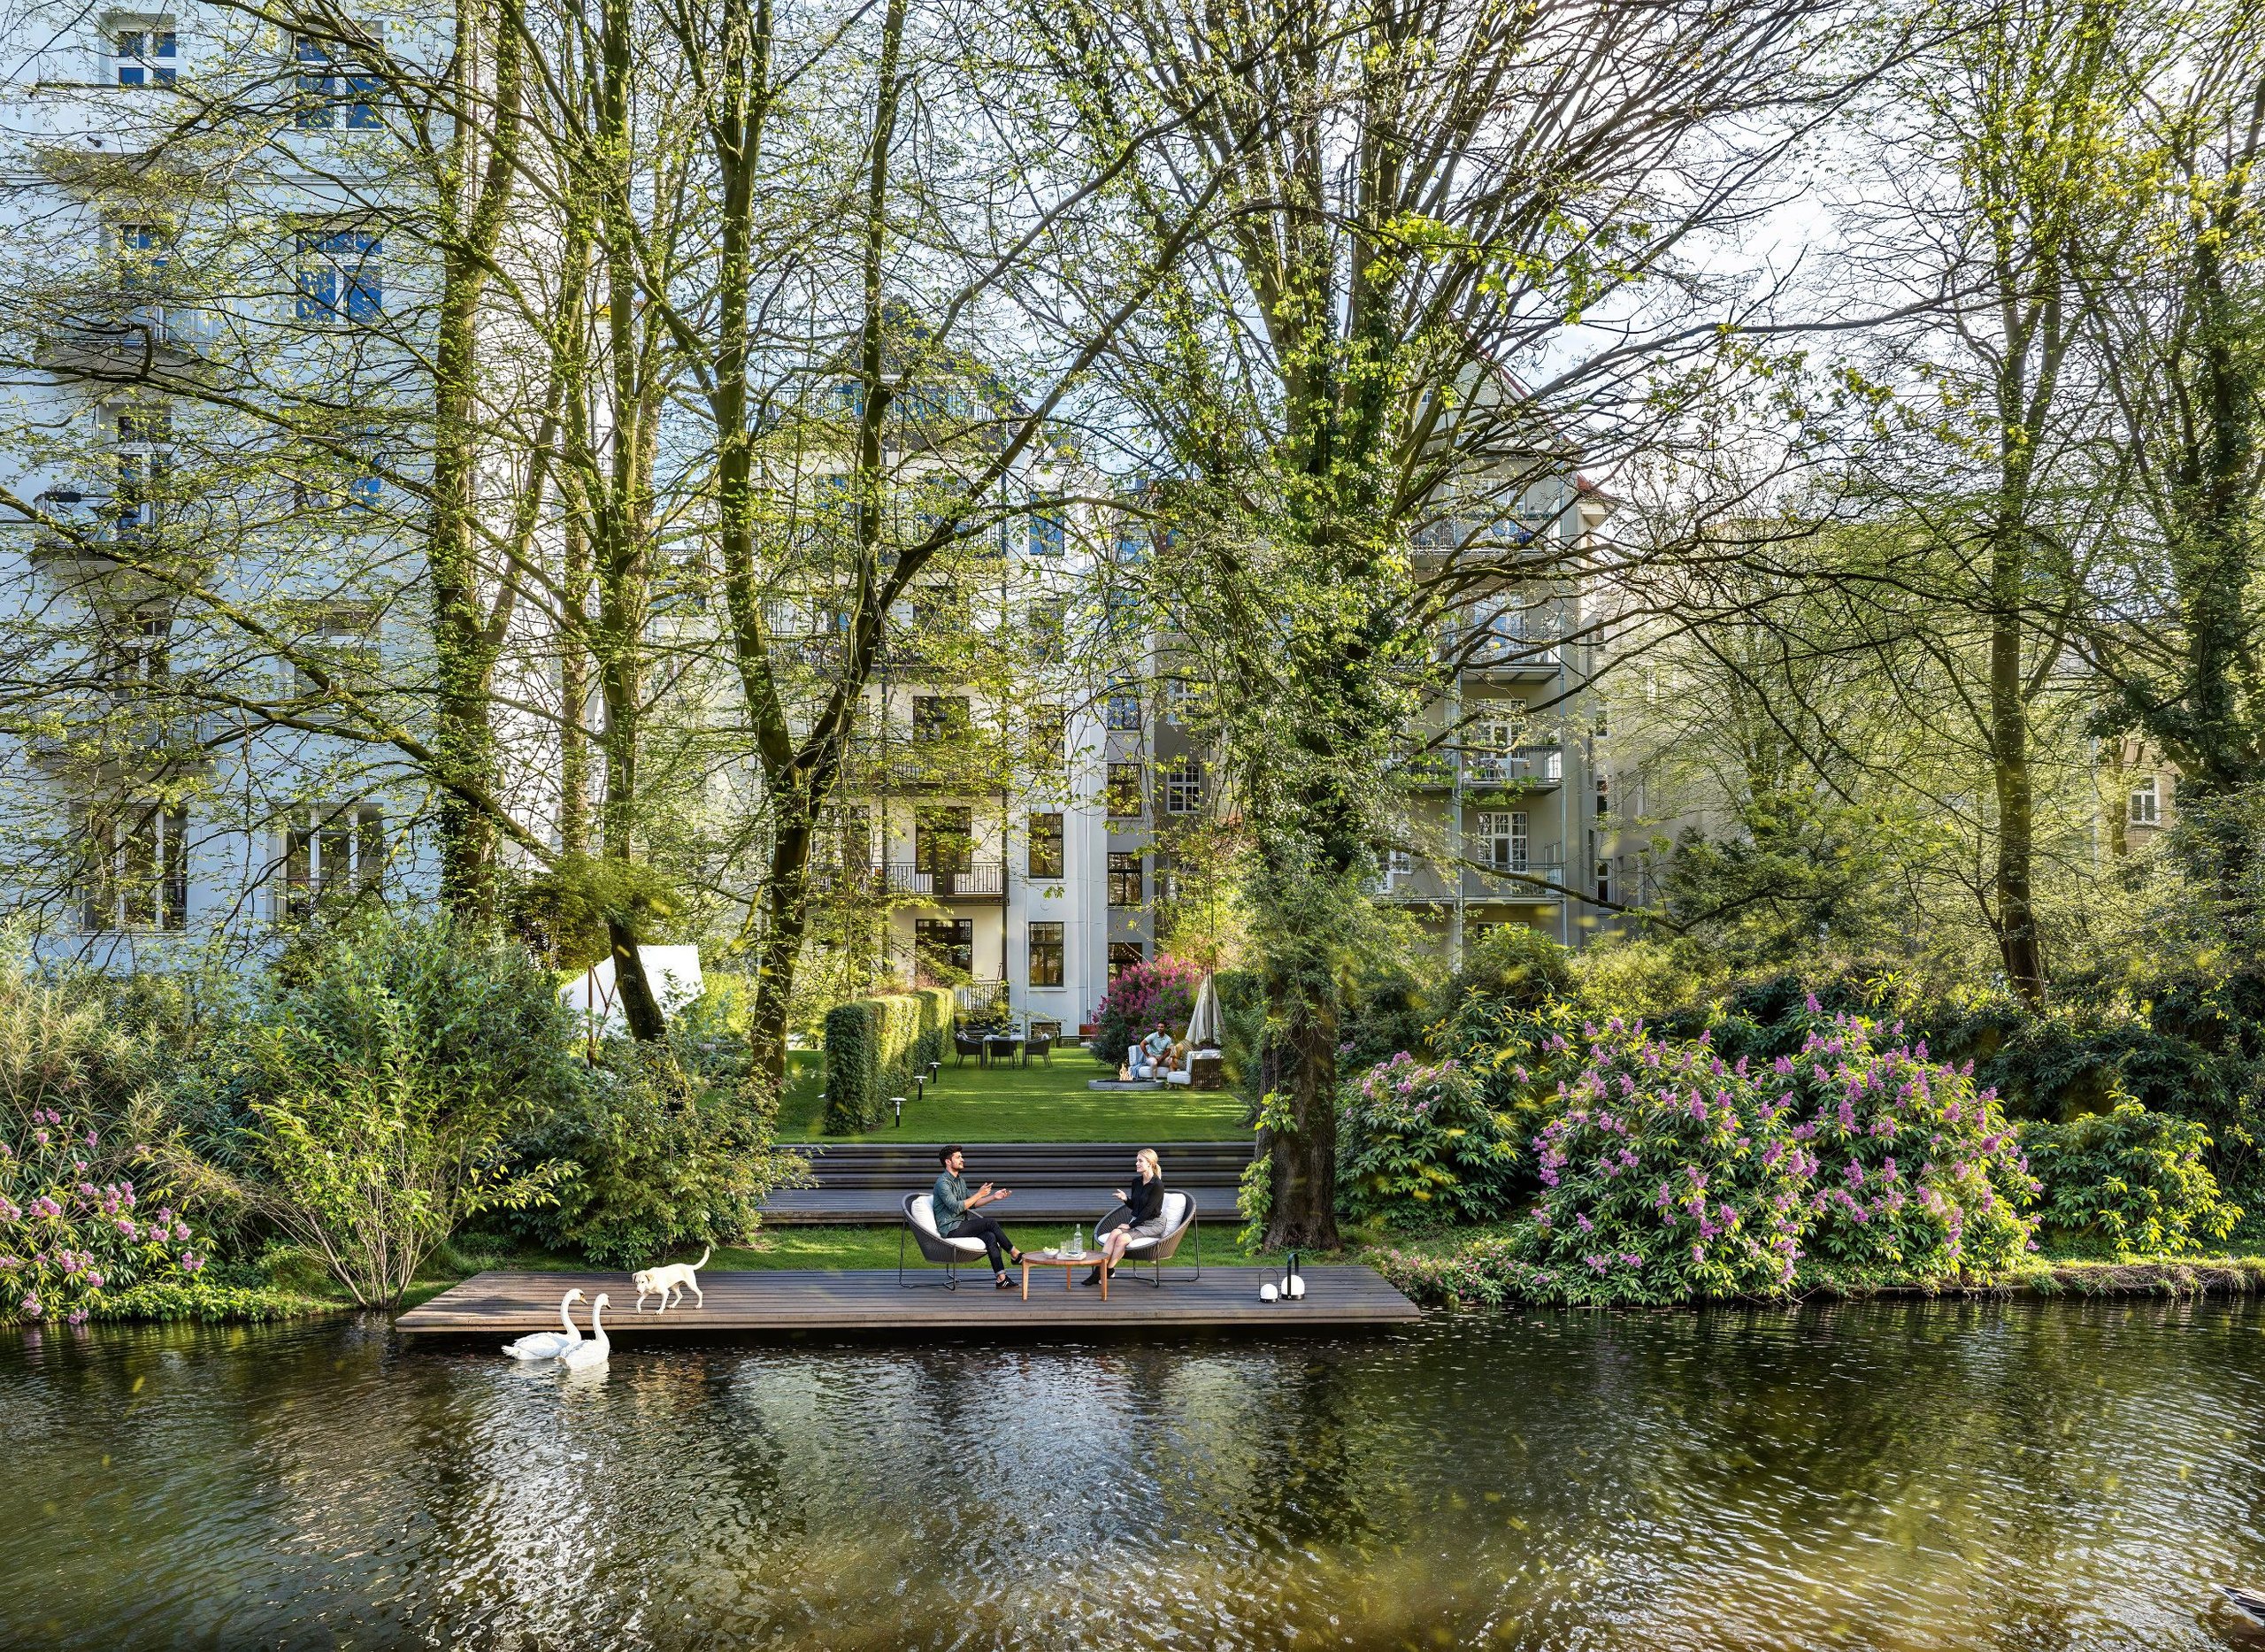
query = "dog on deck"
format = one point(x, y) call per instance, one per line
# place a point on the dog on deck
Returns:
point(677, 1277)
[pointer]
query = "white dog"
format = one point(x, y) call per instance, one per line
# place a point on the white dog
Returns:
point(677, 1277)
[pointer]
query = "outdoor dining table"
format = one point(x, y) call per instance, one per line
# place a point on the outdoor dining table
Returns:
point(1001, 1046)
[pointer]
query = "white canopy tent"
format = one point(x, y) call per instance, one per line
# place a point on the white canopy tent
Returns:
point(673, 974)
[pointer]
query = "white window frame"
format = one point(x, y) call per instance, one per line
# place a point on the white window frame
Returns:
point(114, 874)
point(1184, 786)
point(1505, 838)
point(327, 851)
point(2146, 805)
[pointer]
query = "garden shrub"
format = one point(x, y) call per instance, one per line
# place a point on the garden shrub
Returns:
point(2127, 1183)
point(1386, 1012)
point(873, 1047)
point(1144, 994)
point(374, 1086)
point(1418, 1146)
point(671, 1145)
point(1670, 1174)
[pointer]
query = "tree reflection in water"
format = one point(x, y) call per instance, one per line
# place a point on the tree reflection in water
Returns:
point(1889, 1476)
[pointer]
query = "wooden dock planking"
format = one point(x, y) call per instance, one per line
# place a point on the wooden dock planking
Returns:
point(505, 1304)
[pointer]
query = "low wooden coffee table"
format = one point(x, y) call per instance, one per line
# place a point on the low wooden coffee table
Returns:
point(1068, 1261)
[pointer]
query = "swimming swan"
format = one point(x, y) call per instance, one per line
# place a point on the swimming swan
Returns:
point(585, 1356)
point(551, 1344)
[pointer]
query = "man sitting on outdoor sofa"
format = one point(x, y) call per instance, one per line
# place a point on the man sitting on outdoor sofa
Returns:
point(958, 1214)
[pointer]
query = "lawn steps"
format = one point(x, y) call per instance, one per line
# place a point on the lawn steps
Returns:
point(865, 1182)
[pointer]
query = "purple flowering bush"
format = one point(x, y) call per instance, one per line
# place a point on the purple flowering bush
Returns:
point(1418, 1146)
point(78, 1241)
point(1670, 1174)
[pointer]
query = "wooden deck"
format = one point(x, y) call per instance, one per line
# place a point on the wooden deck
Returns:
point(830, 1305)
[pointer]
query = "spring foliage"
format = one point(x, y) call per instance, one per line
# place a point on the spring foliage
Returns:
point(2127, 1185)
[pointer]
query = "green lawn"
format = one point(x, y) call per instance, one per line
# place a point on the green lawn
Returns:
point(1037, 1103)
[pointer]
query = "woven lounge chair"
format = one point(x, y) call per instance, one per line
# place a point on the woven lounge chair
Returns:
point(920, 1223)
point(1179, 1223)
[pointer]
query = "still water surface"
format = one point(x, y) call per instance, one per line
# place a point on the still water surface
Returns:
point(1886, 1476)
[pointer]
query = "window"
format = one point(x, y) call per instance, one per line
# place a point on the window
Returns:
point(1502, 840)
point(1127, 879)
point(1046, 955)
point(1603, 719)
point(146, 56)
point(1603, 797)
point(1123, 955)
point(334, 90)
point(1399, 866)
point(1184, 786)
point(943, 951)
point(137, 650)
point(136, 874)
point(1049, 739)
point(142, 492)
point(1045, 846)
point(1049, 532)
point(1491, 741)
point(1604, 881)
point(340, 276)
point(2146, 805)
point(330, 854)
point(943, 840)
point(142, 258)
point(1122, 614)
point(1123, 709)
point(939, 718)
point(339, 643)
point(1125, 791)
point(1046, 629)
point(148, 425)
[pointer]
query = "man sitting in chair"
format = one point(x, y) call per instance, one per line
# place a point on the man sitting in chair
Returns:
point(1147, 1054)
point(959, 1215)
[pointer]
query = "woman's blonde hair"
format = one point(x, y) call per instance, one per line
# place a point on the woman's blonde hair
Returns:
point(1148, 1155)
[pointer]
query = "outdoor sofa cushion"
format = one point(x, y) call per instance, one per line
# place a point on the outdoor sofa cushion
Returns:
point(923, 1218)
point(1175, 1213)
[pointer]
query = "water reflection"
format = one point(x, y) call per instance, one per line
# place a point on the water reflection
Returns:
point(1886, 1476)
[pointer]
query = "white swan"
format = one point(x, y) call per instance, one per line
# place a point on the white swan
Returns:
point(585, 1356)
point(551, 1344)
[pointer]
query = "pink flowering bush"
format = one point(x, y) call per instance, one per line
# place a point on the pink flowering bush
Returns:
point(1143, 996)
point(74, 1248)
point(1669, 1174)
point(1418, 1146)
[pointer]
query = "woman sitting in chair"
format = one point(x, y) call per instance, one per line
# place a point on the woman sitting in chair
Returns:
point(1144, 1209)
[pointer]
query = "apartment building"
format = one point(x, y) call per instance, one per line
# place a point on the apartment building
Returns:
point(173, 784)
point(1508, 814)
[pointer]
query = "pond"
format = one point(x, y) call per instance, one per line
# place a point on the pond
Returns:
point(1883, 1476)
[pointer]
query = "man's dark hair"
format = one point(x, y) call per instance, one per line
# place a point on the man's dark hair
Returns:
point(944, 1154)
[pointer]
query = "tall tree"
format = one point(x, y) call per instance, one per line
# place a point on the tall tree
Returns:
point(1422, 199)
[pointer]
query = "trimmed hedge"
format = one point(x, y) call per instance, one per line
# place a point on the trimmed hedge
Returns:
point(873, 1047)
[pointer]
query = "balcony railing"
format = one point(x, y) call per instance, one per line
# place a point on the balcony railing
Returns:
point(1540, 879)
point(978, 880)
point(1539, 765)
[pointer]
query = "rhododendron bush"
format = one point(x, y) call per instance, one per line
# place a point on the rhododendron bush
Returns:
point(75, 1235)
point(1669, 1173)
point(1418, 1145)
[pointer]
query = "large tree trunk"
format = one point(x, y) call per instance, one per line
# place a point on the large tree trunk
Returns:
point(2016, 801)
point(464, 633)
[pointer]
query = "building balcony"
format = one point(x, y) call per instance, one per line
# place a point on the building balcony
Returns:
point(1497, 659)
point(1533, 769)
point(976, 880)
point(1538, 881)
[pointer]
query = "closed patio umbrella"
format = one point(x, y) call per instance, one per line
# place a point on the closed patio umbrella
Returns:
point(1203, 1022)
